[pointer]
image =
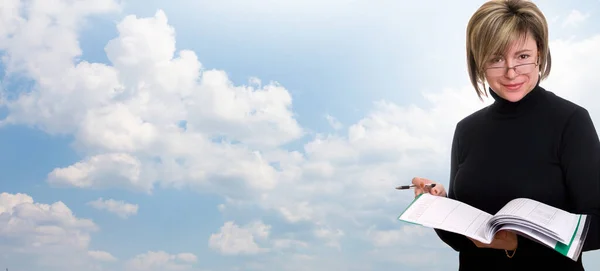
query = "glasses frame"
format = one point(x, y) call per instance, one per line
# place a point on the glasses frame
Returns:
point(506, 69)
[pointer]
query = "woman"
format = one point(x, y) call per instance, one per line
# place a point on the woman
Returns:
point(529, 143)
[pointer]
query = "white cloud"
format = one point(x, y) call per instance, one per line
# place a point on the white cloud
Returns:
point(333, 122)
point(102, 256)
point(403, 236)
point(161, 260)
point(35, 227)
point(128, 116)
point(252, 239)
point(117, 207)
point(330, 236)
point(573, 65)
point(40, 41)
point(298, 212)
point(233, 239)
point(289, 243)
point(48, 234)
point(187, 257)
point(102, 171)
point(575, 18)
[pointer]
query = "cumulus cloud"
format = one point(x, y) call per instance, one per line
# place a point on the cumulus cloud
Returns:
point(48, 234)
point(155, 114)
point(333, 122)
point(575, 18)
point(40, 42)
point(117, 207)
point(233, 239)
point(129, 116)
point(102, 171)
point(161, 260)
point(282, 244)
point(38, 227)
point(330, 236)
point(102, 256)
point(403, 236)
point(252, 239)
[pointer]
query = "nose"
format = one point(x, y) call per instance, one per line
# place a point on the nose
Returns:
point(510, 73)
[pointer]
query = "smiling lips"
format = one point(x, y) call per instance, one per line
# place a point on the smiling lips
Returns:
point(513, 86)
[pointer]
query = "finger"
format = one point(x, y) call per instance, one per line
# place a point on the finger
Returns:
point(500, 235)
point(418, 191)
point(478, 244)
point(438, 190)
point(418, 181)
point(421, 182)
point(482, 245)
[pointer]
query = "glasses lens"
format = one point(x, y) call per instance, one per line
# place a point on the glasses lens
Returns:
point(525, 68)
point(494, 72)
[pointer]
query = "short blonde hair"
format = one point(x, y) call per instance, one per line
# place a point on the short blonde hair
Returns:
point(494, 26)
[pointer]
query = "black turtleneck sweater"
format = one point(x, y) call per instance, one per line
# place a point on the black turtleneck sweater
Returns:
point(543, 148)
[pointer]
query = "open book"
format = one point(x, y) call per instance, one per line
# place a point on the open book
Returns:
point(560, 230)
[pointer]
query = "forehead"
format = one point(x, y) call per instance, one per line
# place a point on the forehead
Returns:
point(521, 42)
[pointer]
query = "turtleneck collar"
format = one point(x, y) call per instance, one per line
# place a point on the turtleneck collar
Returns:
point(504, 108)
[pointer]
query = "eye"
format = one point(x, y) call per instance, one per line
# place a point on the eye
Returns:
point(495, 60)
point(524, 56)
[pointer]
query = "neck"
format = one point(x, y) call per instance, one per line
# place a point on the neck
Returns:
point(504, 108)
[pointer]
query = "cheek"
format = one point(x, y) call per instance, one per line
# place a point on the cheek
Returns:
point(533, 78)
point(493, 83)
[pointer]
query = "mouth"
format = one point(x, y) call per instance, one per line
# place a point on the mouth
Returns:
point(513, 86)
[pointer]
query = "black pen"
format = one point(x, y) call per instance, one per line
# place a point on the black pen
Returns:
point(403, 187)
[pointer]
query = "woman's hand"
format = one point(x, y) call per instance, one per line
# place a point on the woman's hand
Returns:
point(420, 188)
point(502, 240)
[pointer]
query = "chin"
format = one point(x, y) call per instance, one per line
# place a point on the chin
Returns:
point(513, 96)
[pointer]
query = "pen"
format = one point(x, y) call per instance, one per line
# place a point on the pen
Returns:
point(403, 187)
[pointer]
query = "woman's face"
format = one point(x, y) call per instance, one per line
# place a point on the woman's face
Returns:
point(513, 84)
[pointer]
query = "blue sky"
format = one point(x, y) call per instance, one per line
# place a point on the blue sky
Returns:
point(219, 135)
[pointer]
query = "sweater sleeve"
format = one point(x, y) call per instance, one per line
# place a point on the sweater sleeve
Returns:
point(456, 241)
point(579, 156)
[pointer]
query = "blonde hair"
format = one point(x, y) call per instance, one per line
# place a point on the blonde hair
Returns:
point(494, 26)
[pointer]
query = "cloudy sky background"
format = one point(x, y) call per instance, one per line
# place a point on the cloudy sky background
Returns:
point(240, 135)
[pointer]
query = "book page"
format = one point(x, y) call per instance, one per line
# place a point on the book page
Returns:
point(448, 214)
point(531, 234)
point(571, 250)
point(560, 222)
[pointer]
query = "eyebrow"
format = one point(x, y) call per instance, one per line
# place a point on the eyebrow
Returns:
point(516, 53)
point(522, 51)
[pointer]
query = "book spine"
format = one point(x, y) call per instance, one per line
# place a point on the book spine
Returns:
point(581, 238)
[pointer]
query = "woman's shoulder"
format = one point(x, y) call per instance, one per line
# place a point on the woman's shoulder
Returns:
point(557, 100)
point(560, 106)
point(474, 118)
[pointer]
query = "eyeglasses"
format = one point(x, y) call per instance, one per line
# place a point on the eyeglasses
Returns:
point(519, 69)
